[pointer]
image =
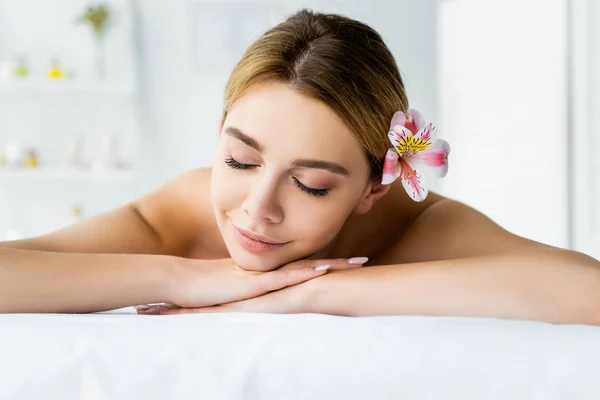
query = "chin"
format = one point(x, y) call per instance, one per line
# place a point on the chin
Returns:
point(262, 262)
point(250, 262)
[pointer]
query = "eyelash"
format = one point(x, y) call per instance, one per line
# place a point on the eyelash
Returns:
point(232, 163)
point(237, 165)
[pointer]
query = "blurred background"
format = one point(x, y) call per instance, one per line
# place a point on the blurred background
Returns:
point(101, 102)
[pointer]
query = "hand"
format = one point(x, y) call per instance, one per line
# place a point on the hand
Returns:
point(212, 282)
point(290, 300)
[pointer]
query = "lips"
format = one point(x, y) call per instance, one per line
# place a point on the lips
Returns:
point(256, 243)
point(258, 237)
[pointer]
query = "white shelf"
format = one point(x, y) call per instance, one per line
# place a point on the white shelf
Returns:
point(49, 173)
point(65, 87)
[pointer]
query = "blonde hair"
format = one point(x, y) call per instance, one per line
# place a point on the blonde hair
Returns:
point(340, 61)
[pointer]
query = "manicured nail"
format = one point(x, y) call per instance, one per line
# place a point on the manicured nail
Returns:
point(141, 307)
point(357, 260)
point(322, 267)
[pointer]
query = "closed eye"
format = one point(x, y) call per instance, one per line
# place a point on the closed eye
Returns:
point(309, 190)
point(233, 163)
point(237, 165)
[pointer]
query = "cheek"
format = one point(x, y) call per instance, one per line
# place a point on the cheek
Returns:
point(317, 223)
point(226, 188)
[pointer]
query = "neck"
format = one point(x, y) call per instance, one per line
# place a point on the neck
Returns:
point(372, 233)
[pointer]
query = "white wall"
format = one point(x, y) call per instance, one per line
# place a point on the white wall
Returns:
point(503, 81)
point(585, 96)
point(593, 210)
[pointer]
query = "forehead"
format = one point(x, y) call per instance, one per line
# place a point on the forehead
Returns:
point(285, 121)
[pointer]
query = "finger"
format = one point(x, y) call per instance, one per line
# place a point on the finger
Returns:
point(281, 278)
point(354, 262)
point(200, 310)
point(334, 263)
point(145, 307)
point(304, 270)
point(154, 308)
point(150, 311)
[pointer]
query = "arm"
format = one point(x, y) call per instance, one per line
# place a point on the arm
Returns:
point(67, 283)
point(555, 286)
point(456, 261)
point(71, 270)
point(35, 281)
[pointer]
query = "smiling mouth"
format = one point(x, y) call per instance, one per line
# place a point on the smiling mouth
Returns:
point(254, 245)
point(258, 238)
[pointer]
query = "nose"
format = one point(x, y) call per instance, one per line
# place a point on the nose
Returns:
point(261, 202)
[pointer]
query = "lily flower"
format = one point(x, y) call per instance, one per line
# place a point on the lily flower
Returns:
point(416, 156)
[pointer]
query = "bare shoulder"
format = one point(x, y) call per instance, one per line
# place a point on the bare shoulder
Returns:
point(442, 228)
point(172, 219)
point(180, 211)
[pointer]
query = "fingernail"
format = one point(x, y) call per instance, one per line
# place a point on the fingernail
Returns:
point(322, 267)
point(357, 260)
point(141, 307)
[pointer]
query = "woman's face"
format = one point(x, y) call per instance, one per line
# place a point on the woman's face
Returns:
point(288, 172)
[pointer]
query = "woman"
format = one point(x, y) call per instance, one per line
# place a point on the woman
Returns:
point(315, 129)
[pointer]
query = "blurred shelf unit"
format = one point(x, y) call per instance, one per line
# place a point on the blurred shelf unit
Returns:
point(65, 87)
point(59, 173)
point(71, 108)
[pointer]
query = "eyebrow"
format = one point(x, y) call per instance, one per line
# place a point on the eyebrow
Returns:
point(306, 163)
point(236, 133)
point(326, 165)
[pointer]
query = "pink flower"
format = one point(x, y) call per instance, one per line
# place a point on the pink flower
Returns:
point(415, 156)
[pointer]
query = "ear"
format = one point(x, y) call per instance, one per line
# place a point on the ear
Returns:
point(373, 192)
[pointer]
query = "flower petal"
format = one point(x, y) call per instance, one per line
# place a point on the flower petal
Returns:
point(415, 122)
point(433, 162)
point(413, 182)
point(426, 134)
point(391, 167)
point(400, 137)
point(399, 118)
point(406, 144)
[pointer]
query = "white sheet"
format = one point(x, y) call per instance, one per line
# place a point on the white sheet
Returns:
point(259, 356)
